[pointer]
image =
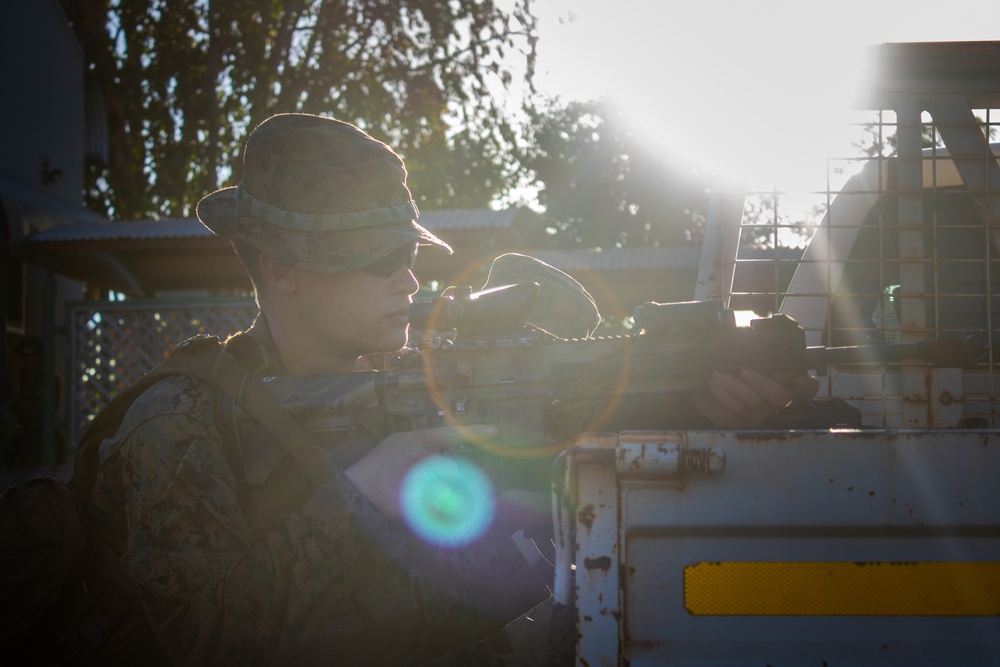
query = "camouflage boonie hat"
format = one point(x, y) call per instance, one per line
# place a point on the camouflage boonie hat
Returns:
point(564, 307)
point(318, 193)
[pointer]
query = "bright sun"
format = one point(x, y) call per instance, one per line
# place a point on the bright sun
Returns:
point(759, 90)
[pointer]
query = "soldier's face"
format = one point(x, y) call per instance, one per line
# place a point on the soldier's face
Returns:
point(345, 315)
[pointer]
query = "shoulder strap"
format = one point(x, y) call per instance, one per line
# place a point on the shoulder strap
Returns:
point(195, 356)
point(232, 373)
point(228, 366)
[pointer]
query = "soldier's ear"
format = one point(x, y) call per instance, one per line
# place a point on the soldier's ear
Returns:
point(280, 276)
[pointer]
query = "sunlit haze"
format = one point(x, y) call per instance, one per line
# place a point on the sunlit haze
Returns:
point(754, 90)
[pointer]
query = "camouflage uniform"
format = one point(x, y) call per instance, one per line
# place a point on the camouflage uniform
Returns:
point(238, 568)
point(231, 572)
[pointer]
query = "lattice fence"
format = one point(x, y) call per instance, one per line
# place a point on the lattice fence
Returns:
point(113, 344)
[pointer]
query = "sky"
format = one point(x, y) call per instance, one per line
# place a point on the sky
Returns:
point(748, 88)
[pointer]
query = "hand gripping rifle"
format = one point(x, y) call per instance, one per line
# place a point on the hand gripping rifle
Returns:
point(477, 361)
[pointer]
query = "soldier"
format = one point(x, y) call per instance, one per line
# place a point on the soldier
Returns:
point(234, 568)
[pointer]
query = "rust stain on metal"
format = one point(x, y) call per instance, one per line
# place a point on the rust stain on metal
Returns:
point(599, 563)
point(765, 436)
point(613, 613)
point(586, 516)
point(928, 389)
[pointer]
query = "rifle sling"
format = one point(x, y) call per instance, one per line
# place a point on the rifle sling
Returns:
point(233, 377)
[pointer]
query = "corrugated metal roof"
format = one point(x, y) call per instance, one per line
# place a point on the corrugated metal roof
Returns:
point(128, 230)
point(609, 259)
point(191, 228)
point(29, 208)
point(146, 257)
point(622, 259)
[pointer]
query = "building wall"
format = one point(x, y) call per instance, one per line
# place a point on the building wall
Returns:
point(41, 118)
point(42, 135)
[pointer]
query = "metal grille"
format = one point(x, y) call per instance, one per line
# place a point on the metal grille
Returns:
point(901, 244)
point(114, 344)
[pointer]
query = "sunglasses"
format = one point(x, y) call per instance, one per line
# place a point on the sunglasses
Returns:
point(388, 265)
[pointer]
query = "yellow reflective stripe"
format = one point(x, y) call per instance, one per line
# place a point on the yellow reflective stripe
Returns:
point(843, 589)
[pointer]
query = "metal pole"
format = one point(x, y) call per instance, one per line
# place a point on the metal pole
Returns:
point(4, 264)
point(48, 370)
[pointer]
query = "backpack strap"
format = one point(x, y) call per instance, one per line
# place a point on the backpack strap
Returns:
point(228, 365)
point(195, 356)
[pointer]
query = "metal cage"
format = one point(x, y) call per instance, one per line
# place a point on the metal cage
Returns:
point(114, 343)
point(901, 244)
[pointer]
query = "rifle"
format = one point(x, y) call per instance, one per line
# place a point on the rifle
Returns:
point(476, 360)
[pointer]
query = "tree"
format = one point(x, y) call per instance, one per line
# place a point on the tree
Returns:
point(604, 184)
point(185, 80)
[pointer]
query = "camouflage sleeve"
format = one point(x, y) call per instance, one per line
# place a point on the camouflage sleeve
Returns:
point(211, 596)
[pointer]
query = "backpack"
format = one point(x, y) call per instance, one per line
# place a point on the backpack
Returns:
point(49, 546)
point(48, 543)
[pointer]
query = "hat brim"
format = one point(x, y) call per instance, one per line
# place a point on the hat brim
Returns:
point(217, 211)
point(333, 251)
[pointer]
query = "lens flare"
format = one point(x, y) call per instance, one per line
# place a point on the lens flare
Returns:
point(447, 501)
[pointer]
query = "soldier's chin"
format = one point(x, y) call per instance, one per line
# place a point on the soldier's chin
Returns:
point(396, 342)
